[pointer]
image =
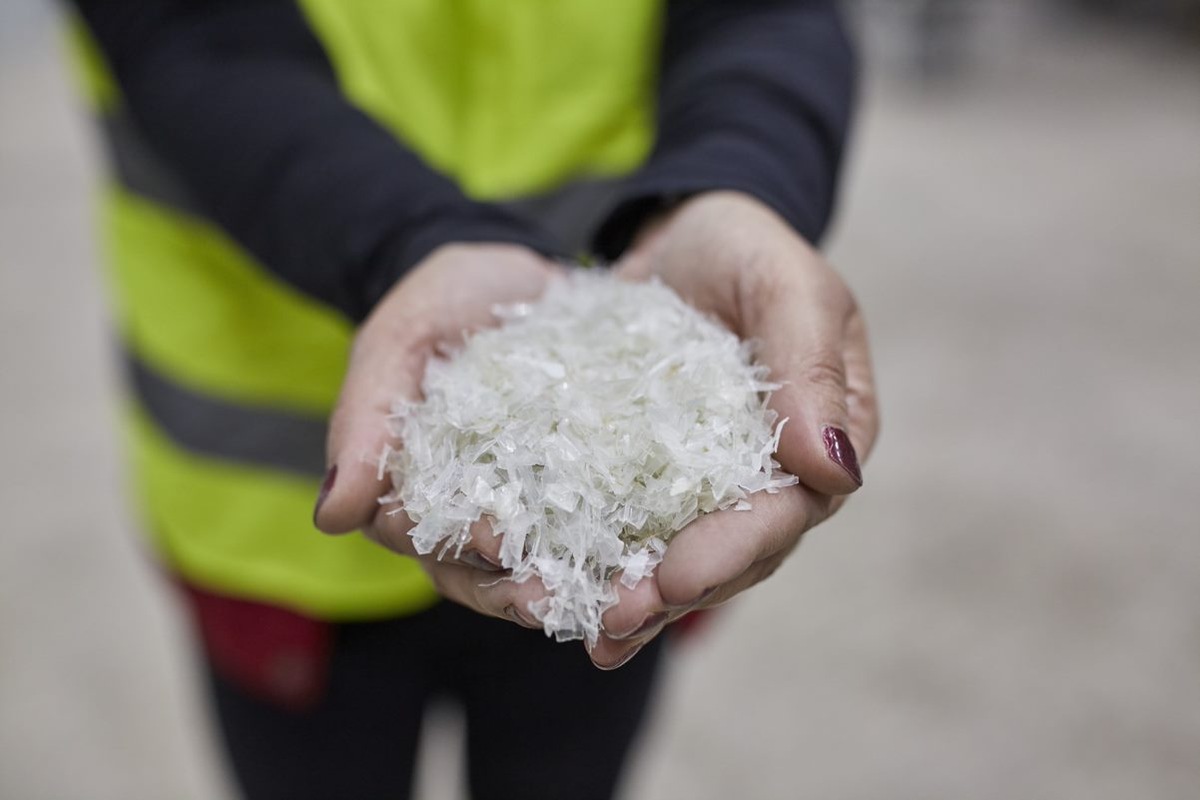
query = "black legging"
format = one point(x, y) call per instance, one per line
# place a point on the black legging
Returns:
point(542, 722)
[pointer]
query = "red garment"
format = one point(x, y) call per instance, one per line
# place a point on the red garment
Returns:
point(271, 652)
point(283, 656)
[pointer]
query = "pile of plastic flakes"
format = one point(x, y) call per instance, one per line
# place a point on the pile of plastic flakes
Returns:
point(588, 428)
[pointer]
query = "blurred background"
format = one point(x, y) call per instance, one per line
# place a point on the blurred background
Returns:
point(1011, 608)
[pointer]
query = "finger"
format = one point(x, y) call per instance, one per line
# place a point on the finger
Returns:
point(610, 654)
point(800, 322)
point(710, 561)
point(382, 369)
point(861, 403)
point(644, 615)
point(390, 528)
point(720, 547)
point(483, 549)
point(637, 610)
point(485, 593)
point(757, 573)
point(389, 357)
point(639, 615)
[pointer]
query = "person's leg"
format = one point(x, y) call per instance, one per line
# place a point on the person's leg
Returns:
point(357, 738)
point(542, 721)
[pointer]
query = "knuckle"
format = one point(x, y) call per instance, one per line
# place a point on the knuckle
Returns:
point(834, 293)
point(788, 521)
point(760, 528)
point(823, 369)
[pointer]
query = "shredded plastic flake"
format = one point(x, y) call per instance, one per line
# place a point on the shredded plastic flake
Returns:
point(589, 428)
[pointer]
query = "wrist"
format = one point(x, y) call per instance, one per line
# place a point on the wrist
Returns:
point(483, 226)
point(726, 207)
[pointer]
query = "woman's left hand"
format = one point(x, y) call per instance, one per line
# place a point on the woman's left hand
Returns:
point(732, 257)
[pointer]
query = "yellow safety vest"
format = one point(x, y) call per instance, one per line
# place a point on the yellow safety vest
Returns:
point(234, 373)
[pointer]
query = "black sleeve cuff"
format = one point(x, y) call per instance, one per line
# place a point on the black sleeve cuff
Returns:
point(754, 96)
point(715, 165)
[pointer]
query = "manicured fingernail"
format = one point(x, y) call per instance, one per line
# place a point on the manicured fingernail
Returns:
point(477, 560)
point(625, 659)
point(841, 452)
point(512, 613)
point(326, 488)
point(648, 624)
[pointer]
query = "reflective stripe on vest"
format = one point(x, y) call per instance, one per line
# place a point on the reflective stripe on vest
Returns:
point(234, 373)
point(268, 438)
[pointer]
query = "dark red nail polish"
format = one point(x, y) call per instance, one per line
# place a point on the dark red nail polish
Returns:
point(841, 452)
point(326, 488)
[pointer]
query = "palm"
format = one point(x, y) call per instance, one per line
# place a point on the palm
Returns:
point(732, 258)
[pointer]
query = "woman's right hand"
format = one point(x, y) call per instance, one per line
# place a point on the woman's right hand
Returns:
point(453, 290)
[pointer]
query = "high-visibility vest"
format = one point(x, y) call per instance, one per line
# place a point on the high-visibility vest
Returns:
point(233, 373)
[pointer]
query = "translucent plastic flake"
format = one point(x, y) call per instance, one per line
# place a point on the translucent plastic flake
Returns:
point(589, 428)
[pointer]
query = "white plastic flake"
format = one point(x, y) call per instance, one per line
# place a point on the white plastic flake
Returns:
point(589, 428)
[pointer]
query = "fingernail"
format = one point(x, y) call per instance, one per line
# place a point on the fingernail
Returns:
point(477, 560)
point(326, 487)
point(648, 624)
point(700, 598)
point(841, 452)
point(625, 659)
point(512, 613)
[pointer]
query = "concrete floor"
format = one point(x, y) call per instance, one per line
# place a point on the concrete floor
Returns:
point(1011, 608)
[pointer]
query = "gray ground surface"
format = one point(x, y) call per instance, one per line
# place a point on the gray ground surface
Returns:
point(1010, 609)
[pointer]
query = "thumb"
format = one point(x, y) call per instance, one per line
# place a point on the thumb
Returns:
point(381, 371)
point(451, 292)
point(802, 330)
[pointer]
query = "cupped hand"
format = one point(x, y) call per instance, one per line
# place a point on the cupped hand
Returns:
point(451, 292)
point(732, 257)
